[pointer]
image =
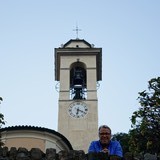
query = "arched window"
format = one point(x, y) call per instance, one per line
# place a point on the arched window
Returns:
point(78, 86)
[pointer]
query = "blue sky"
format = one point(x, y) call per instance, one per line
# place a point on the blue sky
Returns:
point(128, 32)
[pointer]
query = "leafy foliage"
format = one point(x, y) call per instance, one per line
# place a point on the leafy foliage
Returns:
point(146, 121)
point(2, 122)
point(1, 116)
point(123, 138)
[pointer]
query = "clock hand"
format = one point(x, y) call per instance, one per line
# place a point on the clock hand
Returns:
point(77, 111)
point(81, 111)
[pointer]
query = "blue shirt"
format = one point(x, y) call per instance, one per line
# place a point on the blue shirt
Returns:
point(114, 148)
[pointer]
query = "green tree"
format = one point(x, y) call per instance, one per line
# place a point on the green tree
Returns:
point(2, 122)
point(146, 121)
point(137, 142)
point(123, 138)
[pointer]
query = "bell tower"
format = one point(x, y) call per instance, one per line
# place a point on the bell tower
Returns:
point(78, 68)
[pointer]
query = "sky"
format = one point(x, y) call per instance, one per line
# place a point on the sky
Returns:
point(127, 31)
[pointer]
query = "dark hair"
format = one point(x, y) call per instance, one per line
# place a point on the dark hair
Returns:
point(104, 126)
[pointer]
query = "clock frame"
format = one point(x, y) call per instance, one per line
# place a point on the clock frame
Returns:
point(78, 109)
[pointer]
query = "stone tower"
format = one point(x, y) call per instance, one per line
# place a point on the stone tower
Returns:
point(78, 68)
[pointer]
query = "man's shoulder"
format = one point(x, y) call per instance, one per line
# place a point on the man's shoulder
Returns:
point(95, 142)
point(114, 142)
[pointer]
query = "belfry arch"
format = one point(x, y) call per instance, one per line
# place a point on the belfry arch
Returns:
point(78, 81)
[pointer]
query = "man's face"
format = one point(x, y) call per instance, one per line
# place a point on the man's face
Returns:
point(104, 135)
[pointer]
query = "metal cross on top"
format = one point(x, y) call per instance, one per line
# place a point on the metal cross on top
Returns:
point(77, 30)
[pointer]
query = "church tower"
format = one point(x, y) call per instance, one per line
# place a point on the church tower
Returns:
point(78, 68)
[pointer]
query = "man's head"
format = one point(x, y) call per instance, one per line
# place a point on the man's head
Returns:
point(104, 134)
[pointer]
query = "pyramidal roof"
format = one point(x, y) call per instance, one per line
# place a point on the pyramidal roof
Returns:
point(77, 43)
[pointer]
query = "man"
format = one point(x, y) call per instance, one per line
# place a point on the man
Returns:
point(105, 144)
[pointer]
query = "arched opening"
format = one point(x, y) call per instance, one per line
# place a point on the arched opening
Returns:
point(78, 81)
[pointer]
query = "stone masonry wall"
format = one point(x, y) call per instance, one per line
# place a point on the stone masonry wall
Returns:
point(37, 154)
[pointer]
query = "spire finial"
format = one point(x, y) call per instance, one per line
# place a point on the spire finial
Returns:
point(77, 30)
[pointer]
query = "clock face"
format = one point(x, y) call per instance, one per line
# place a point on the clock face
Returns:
point(78, 109)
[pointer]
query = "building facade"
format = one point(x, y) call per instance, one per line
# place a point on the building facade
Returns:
point(34, 137)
